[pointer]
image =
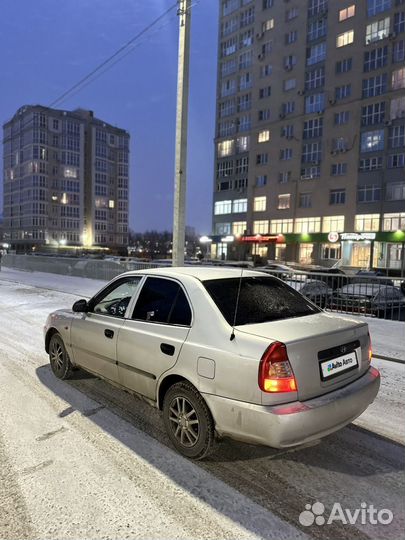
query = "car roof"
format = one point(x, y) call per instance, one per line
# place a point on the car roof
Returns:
point(201, 273)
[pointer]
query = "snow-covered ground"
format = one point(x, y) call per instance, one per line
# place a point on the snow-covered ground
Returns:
point(82, 459)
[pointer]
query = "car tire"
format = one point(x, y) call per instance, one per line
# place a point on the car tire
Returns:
point(188, 421)
point(59, 359)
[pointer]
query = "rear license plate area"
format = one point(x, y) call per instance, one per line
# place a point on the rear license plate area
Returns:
point(338, 360)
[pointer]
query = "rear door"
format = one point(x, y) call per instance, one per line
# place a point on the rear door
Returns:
point(151, 338)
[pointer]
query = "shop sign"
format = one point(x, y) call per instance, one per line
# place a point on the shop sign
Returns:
point(258, 239)
point(228, 238)
point(333, 237)
point(358, 236)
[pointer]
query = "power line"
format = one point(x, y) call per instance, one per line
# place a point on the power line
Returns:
point(63, 96)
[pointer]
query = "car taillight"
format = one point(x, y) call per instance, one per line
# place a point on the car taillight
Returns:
point(275, 372)
point(370, 348)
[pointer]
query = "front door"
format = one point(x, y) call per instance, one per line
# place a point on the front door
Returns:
point(151, 338)
point(94, 336)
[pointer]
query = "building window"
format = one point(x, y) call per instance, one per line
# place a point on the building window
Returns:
point(398, 51)
point(313, 128)
point(287, 131)
point(338, 169)
point(375, 59)
point(247, 17)
point(375, 86)
point(307, 225)
point(396, 136)
point(239, 227)
point(262, 159)
point(309, 173)
point(245, 81)
point(284, 177)
point(342, 117)
point(396, 161)
point(261, 180)
point(246, 39)
point(245, 60)
point(291, 37)
point(281, 226)
point(265, 92)
point(399, 22)
point(394, 222)
point(377, 30)
point(259, 204)
point(311, 152)
point(266, 70)
point(331, 251)
point(343, 66)
point(239, 206)
point(371, 164)
point(244, 123)
point(347, 12)
point(316, 29)
point(346, 38)
point(284, 201)
point(337, 196)
point(333, 224)
point(368, 193)
point(289, 62)
point(367, 222)
point(342, 92)
point(222, 207)
point(226, 108)
point(226, 148)
point(395, 191)
point(397, 108)
point(316, 53)
point(267, 4)
point(291, 14)
point(285, 154)
point(373, 114)
point(267, 25)
point(263, 114)
point(316, 7)
point(315, 103)
point(222, 228)
point(315, 78)
point(289, 84)
point(305, 200)
point(244, 102)
point(372, 141)
point(242, 165)
point(287, 108)
point(377, 6)
point(260, 226)
point(242, 144)
point(339, 144)
point(263, 136)
point(398, 79)
point(240, 183)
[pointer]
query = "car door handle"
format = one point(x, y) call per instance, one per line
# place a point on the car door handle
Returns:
point(109, 333)
point(168, 349)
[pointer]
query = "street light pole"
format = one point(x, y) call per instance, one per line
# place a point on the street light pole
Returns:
point(179, 217)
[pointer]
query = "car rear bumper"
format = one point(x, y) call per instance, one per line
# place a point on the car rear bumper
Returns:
point(297, 422)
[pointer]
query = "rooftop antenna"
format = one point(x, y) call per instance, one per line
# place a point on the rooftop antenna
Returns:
point(236, 306)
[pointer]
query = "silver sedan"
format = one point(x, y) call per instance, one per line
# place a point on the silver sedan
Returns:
point(222, 352)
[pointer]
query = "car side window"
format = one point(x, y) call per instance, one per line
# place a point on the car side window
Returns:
point(162, 301)
point(115, 299)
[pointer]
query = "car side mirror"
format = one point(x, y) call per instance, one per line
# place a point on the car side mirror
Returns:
point(80, 306)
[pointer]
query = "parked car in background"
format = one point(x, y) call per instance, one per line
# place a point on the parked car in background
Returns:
point(96, 269)
point(221, 353)
point(314, 289)
point(369, 276)
point(383, 301)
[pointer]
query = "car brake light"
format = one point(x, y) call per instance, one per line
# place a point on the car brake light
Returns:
point(275, 372)
point(370, 348)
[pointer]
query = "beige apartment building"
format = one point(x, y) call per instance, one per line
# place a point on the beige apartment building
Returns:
point(65, 181)
point(309, 147)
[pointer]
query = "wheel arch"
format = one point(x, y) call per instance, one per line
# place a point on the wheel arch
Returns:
point(51, 332)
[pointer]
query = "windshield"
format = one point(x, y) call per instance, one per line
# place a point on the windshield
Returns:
point(261, 299)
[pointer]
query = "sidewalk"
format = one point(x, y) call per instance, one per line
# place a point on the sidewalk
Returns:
point(388, 337)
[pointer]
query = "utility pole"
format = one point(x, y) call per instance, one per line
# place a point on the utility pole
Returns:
point(180, 179)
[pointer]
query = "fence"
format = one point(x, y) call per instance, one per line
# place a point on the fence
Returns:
point(367, 295)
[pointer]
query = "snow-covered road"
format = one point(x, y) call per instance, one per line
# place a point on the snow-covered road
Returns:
point(81, 459)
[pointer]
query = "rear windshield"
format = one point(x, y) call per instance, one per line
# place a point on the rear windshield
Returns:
point(261, 299)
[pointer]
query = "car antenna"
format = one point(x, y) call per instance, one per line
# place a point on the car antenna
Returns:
point(236, 306)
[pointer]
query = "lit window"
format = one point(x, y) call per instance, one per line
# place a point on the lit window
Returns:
point(394, 222)
point(222, 207)
point(281, 226)
point(284, 201)
point(372, 141)
point(64, 199)
point(377, 30)
point(70, 172)
point(366, 222)
point(398, 79)
point(225, 148)
point(307, 225)
point(239, 228)
point(263, 136)
point(333, 224)
point(111, 203)
point(239, 205)
point(267, 25)
point(346, 13)
point(345, 39)
point(259, 204)
point(397, 108)
point(260, 227)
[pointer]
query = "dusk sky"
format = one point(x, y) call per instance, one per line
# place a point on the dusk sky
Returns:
point(48, 45)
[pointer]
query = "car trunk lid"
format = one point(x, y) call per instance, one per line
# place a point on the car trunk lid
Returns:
point(325, 351)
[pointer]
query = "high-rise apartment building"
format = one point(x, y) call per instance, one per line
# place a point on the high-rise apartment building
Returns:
point(65, 180)
point(309, 162)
